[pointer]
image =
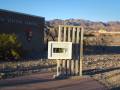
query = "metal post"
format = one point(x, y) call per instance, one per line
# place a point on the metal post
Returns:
point(72, 61)
point(64, 61)
point(81, 51)
point(59, 33)
point(58, 61)
point(68, 61)
point(58, 67)
point(64, 34)
point(77, 55)
point(69, 33)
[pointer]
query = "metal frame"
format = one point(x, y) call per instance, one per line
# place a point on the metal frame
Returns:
point(74, 34)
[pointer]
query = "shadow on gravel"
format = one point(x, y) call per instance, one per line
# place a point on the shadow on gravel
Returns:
point(22, 82)
point(98, 71)
point(101, 50)
point(117, 88)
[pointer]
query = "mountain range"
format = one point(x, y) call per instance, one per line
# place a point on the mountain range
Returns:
point(87, 24)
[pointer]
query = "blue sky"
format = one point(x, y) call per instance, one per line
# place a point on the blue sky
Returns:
point(95, 10)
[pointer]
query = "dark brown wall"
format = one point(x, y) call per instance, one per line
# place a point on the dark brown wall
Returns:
point(21, 24)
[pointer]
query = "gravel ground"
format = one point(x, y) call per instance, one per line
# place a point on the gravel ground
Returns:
point(45, 81)
point(106, 69)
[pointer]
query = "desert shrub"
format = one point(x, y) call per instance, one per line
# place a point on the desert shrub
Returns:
point(10, 47)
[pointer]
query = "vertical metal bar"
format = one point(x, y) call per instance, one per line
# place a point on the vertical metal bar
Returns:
point(77, 55)
point(59, 34)
point(75, 49)
point(68, 61)
point(64, 39)
point(73, 41)
point(58, 61)
point(69, 33)
point(64, 34)
point(81, 51)
point(58, 67)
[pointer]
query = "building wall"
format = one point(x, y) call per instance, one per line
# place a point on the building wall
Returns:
point(29, 30)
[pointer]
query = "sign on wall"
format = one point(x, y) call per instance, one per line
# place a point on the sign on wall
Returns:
point(59, 50)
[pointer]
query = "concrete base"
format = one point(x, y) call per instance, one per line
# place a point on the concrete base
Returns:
point(60, 77)
point(78, 77)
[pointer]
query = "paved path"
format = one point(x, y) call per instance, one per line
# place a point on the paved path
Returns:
point(45, 81)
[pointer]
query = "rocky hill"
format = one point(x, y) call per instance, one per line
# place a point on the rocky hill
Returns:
point(88, 25)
